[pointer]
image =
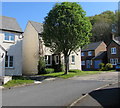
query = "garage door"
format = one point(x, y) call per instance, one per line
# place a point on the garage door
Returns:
point(96, 64)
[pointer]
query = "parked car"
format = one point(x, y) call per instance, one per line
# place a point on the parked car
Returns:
point(118, 67)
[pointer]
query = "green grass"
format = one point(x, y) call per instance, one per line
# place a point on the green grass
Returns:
point(72, 73)
point(18, 81)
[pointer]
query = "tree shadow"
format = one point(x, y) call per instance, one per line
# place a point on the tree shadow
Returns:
point(107, 97)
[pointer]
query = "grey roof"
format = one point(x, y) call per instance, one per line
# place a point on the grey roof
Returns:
point(38, 26)
point(117, 40)
point(9, 23)
point(91, 46)
point(2, 48)
point(101, 55)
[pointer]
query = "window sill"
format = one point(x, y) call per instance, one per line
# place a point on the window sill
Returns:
point(113, 53)
point(72, 63)
point(9, 68)
point(8, 41)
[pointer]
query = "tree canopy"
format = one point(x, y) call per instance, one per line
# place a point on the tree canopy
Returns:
point(103, 26)
point(66, 28)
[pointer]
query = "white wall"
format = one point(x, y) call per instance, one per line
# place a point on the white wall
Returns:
point(13, 49)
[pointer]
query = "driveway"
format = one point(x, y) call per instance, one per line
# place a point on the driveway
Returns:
point(60, 92)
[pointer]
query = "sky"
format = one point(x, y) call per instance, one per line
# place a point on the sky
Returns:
point(36, 11)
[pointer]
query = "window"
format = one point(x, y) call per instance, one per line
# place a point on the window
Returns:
point(82, 54)
point(114, 61)
point(83, 62)
point(9, 37)
point(89, 53)
point(73, 59)
point(113, 50)
point(56, 59)
point(48, 59)
point(9, 61)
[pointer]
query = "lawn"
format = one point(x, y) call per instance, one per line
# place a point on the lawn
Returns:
point(16, 81)
point(72, 73)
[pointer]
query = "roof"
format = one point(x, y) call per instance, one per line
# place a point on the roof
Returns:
point(38, 26)
point(100, 55)
point(91, 46)
point(117, 40)
point(2, 48)
point(9, 23)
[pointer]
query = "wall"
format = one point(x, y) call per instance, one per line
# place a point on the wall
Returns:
point(30, 50)
point(14, 49)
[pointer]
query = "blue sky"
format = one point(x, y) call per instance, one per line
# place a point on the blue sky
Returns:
point(36, 11)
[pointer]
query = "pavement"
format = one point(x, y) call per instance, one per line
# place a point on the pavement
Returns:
point(108, 96)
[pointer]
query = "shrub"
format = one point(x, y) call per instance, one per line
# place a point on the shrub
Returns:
point(101, 65)
point(41, 65)
point(108, 66)
point(49, 70)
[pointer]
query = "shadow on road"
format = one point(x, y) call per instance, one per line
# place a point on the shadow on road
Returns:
point(107, 97)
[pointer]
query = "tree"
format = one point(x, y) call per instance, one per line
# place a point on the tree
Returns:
point(66, 29)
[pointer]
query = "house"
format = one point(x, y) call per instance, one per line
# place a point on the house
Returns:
point(10, 47)
point(33, 48)
point(92, 55)
point(113, 51)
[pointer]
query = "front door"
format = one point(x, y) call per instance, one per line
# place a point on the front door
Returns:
point(88, 63)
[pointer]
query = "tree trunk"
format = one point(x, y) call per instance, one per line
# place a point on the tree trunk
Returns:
point(66, 59)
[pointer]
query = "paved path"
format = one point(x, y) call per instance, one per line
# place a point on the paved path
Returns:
point(56, 93)
point(105, 97)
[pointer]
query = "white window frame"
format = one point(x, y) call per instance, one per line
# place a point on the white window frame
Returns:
point(56, 56)
point(82, 54)
point(89, 53)
point(114, 61)
point(8, 62)
point(72, 59)
point(46, 60)
point(83, 63)
point(113, 50)
point(9, 37)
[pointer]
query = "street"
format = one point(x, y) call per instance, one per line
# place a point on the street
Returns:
point(61, 92)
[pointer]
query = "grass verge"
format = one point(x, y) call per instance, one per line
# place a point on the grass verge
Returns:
point(72, 73)
point(16, 81)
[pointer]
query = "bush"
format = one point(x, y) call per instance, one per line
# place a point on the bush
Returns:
point(101, 65)
point(41, 65)
point(108, 66)
point(49, 70)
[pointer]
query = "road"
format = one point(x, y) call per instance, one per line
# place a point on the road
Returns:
point(60, 92)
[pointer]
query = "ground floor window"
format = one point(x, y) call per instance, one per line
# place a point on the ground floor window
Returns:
point(9, 61)
point(83, 62)
point(73, 58)
point(48, 59)
point(114, 61)
point(56, 59)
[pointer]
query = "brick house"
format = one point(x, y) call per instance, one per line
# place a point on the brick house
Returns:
point(92, 55)
point(113, 51)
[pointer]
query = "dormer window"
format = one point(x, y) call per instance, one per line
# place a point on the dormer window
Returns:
point(113, 50)
point(9, 37)
point(89, 53)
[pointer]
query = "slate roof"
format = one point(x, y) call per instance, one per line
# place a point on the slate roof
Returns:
point(9, 23)
point(117, 40)
point(101, 55)
point(91, 46)
point(38, 26)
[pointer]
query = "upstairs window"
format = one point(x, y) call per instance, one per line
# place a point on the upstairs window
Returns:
point(82, 54)
point(9, 61)
point(113, 50)
point(9, 37)
point(48, 59)
point(89, 53)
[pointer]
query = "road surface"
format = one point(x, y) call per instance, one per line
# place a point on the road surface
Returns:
point(61, 92)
